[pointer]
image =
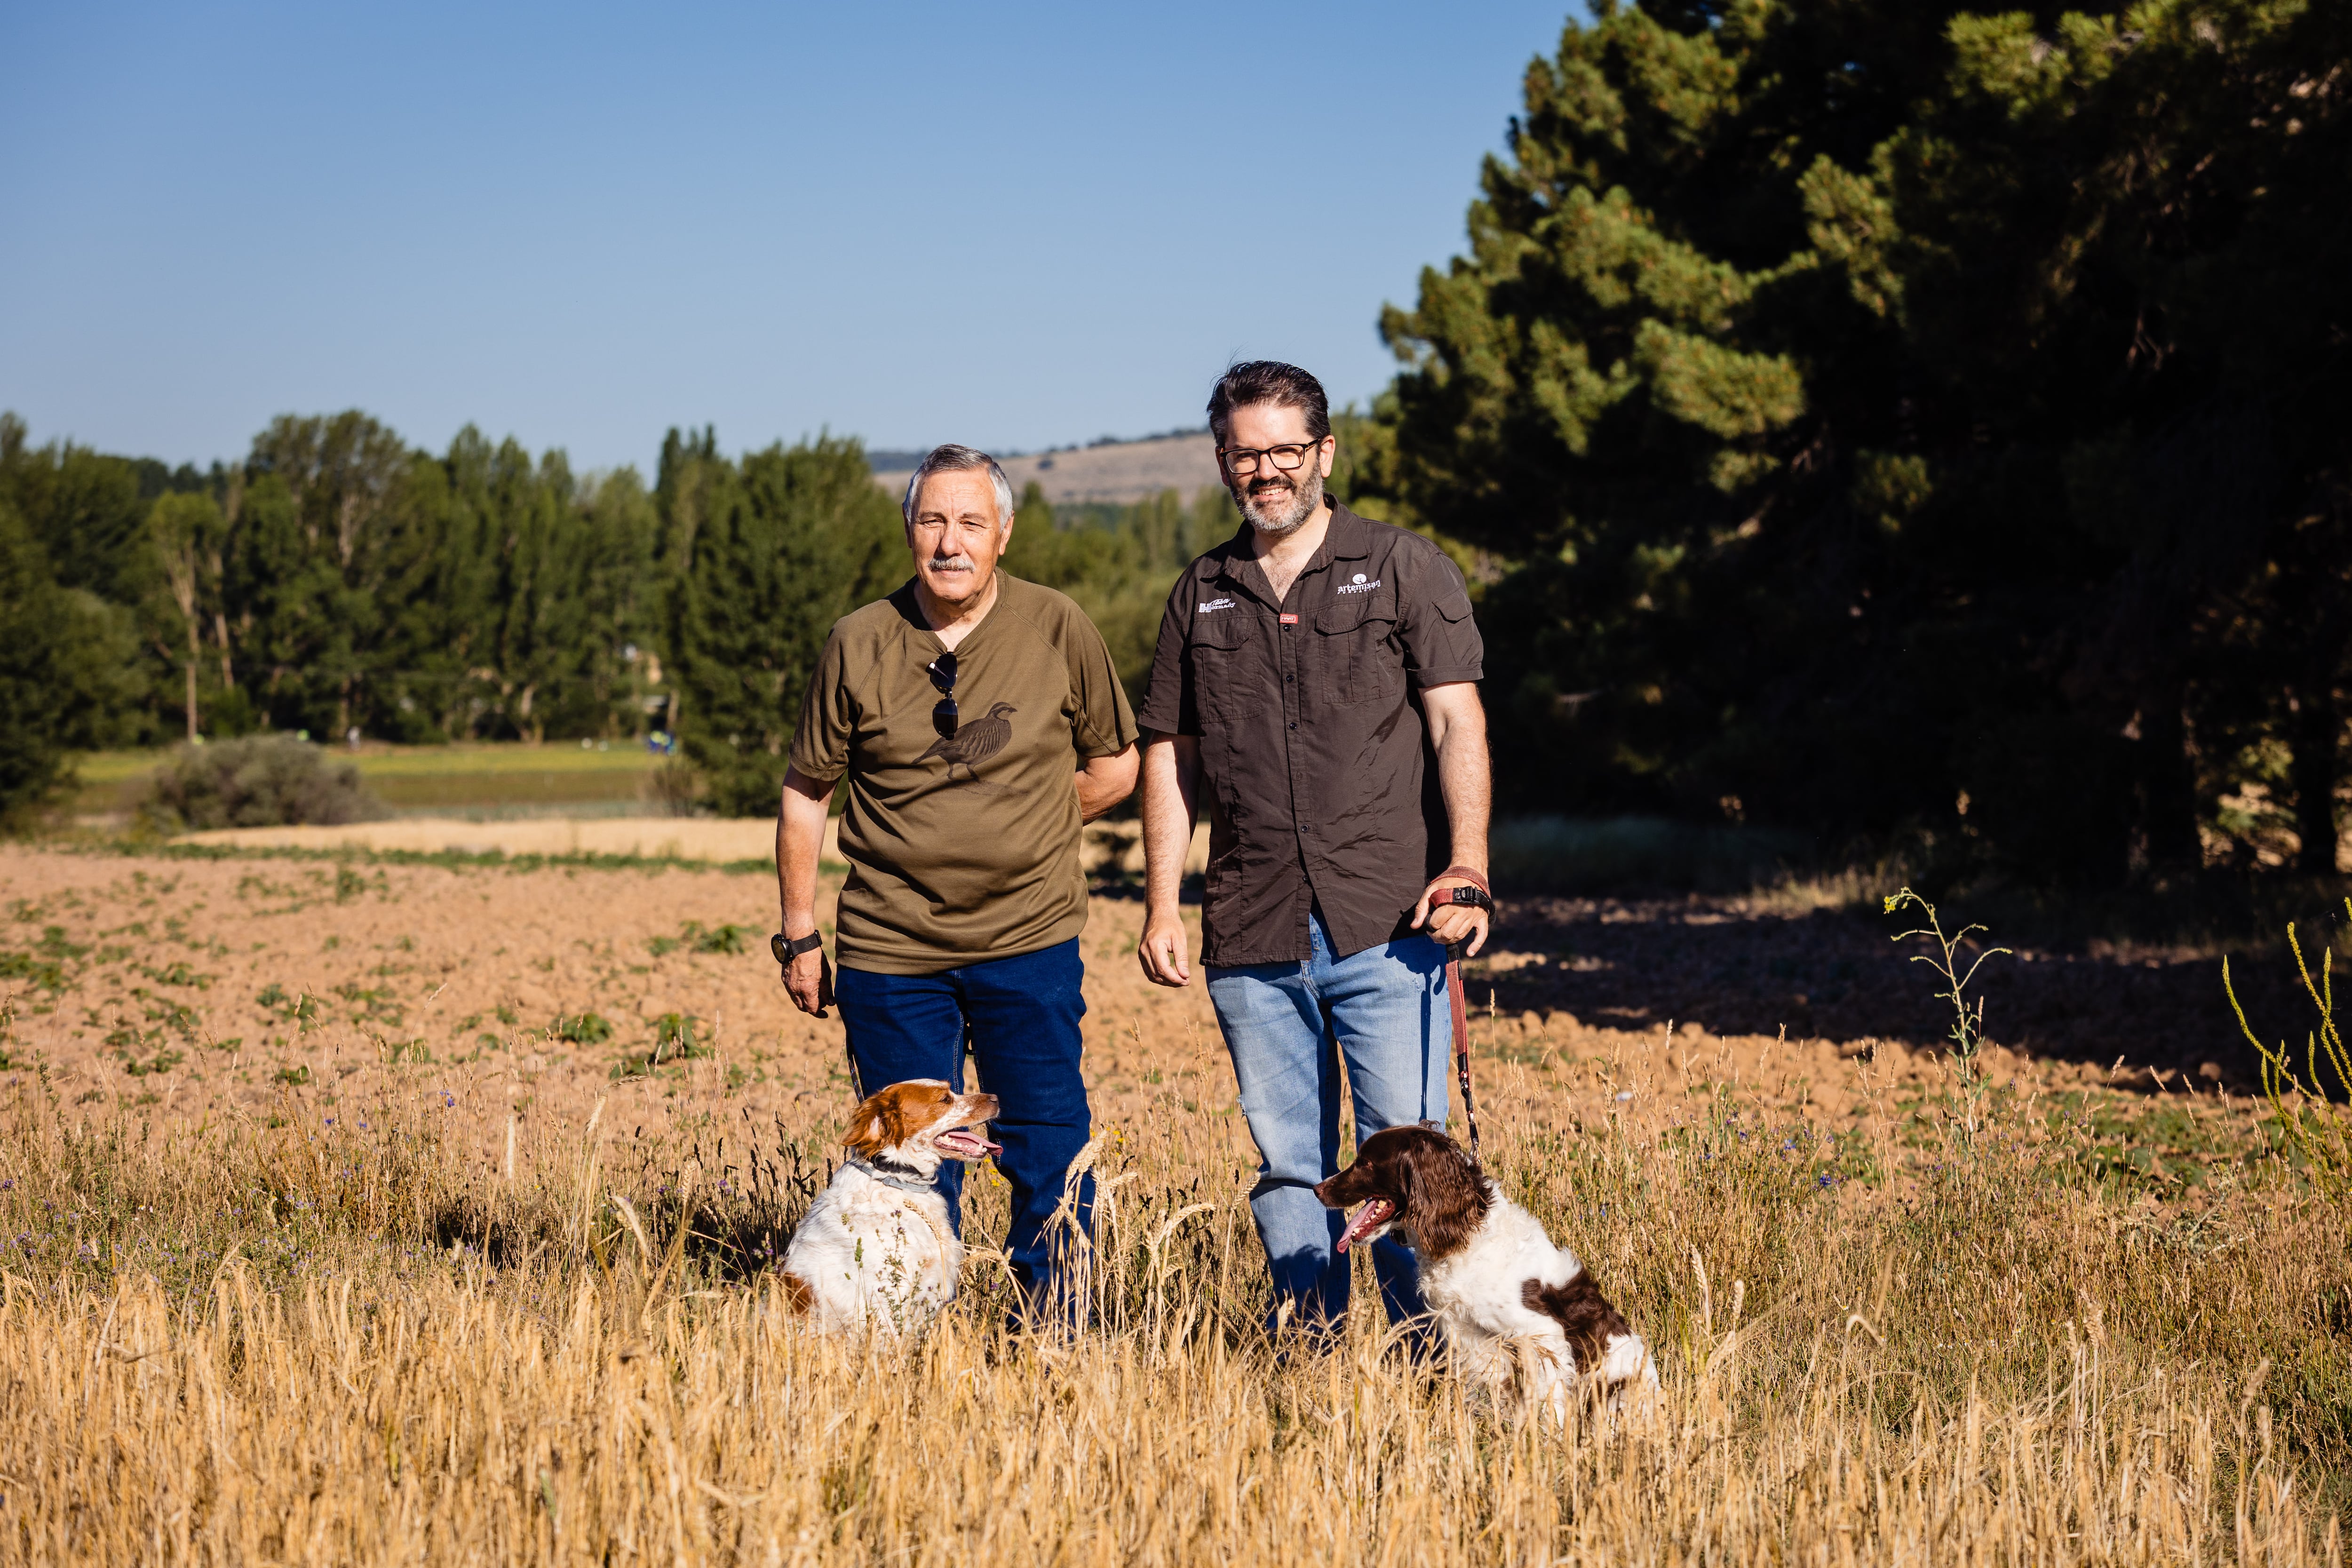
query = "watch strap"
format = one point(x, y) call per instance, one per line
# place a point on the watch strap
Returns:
point(786, 948)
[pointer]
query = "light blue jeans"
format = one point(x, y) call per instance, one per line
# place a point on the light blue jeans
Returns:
point(1385, 1008)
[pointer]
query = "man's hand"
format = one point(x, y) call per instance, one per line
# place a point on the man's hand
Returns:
point(800, 836)
point(1171, 768)
point(1449, 923)
point(1164, 950)
point(808, 980)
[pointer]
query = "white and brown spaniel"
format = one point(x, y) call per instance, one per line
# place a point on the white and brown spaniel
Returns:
point(1522, 1318)
point(876, 1250)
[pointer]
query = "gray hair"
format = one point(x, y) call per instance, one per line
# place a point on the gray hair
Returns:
point(952, 458)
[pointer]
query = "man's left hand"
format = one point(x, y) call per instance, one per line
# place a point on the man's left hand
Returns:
point(1449, 923)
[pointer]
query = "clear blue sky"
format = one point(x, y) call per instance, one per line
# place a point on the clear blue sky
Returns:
point(1016, 226)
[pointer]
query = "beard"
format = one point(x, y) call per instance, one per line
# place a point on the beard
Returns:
point(1278, 508)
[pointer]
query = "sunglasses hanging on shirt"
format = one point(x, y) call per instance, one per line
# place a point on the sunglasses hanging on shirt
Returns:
point(942, 671)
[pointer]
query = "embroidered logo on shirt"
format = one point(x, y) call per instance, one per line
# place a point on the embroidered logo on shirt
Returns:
point(1359, 585)
point(1208, 605)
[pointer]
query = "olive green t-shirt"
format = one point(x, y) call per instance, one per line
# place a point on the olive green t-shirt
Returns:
point(961, 848)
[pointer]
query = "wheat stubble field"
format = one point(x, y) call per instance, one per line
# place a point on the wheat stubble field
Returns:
point(369, 1210)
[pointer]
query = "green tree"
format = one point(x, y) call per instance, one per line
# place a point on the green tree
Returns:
point(184, 532)
point(345, 532)
point(1882, 405)
point(772, 554)
point(67, 678)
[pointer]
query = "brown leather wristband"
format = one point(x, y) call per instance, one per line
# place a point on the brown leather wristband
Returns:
point(1468, 875)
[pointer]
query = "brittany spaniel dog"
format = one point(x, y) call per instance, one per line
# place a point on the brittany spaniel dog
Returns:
point(1520, 1317)
point(875, 1249)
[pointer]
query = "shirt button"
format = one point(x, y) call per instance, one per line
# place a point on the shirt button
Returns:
point(1293, 724)
point(1286, 680)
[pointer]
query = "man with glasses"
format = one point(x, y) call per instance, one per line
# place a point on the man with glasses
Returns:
point(979, 721)
point(1315, 679)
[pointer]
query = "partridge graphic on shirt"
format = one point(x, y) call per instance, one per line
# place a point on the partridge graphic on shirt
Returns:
point(973, 744)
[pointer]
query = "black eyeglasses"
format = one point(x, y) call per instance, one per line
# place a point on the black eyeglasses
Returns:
point(1242, 461)
point(942, 673)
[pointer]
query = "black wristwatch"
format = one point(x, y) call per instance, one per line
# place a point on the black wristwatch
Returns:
point(1476, 898)
point(786, 948)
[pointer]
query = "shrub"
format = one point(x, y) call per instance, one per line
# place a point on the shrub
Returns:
point(584, 1028)
point(262, 781)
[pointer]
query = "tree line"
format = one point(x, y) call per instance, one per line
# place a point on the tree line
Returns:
point(338, 581)
point(1889, 419)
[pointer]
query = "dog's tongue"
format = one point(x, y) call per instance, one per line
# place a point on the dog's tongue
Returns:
point(1367, 1219)
point(971, 1138)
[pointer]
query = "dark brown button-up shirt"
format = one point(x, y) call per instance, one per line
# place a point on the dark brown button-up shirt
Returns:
point(1311, 731)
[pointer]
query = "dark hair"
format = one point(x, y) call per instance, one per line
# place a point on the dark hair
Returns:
point(1268, 381)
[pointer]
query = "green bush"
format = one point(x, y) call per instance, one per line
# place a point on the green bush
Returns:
point(584, 1028)
point(262, 781)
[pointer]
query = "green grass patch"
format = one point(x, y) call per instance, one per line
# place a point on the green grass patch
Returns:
point(424, 778)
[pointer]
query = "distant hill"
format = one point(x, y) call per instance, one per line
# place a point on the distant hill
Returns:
point(1117, 472)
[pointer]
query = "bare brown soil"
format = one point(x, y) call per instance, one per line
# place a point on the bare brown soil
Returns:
point(1743, 968)
point(197, 988)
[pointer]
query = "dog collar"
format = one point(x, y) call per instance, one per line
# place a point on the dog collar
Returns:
point(891, 1178)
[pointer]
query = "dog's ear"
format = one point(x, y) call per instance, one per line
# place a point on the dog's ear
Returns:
point(1433, 1126)
point(876, 1124)
point(1447, 1199)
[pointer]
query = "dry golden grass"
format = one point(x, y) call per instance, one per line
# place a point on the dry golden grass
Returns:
point(242, 1344)
point(333, 1298)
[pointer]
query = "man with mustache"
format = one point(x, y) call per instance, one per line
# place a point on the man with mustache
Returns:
point(1315, 679)
point(978, 720)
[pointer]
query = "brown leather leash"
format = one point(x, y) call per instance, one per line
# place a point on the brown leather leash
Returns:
point(1461, 1039)
point(1461, 1010)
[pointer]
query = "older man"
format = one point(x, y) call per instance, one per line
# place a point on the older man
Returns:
point(1310, 672)
point(979, 721)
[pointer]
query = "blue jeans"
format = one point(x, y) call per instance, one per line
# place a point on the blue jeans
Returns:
point(1023, 1016)
point(1385, 1008)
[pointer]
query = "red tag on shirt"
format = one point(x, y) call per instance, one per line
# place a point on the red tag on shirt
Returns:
point(1290, 620)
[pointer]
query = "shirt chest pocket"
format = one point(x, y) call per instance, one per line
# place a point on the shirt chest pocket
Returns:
point(1222, 654)
point(1355, 649)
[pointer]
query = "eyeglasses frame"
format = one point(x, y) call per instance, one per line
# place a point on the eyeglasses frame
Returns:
point(1227, 456)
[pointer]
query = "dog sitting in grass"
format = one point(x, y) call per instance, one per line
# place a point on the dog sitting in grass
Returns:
point(1522, 1318)
point(876, 1250)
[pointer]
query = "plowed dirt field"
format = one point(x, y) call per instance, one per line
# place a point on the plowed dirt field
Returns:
point(525, 996)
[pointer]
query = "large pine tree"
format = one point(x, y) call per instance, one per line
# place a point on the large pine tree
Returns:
point(1880, 402)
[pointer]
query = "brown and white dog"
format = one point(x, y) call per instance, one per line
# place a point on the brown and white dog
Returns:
point(876, 1250)
point(1521, 1317)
